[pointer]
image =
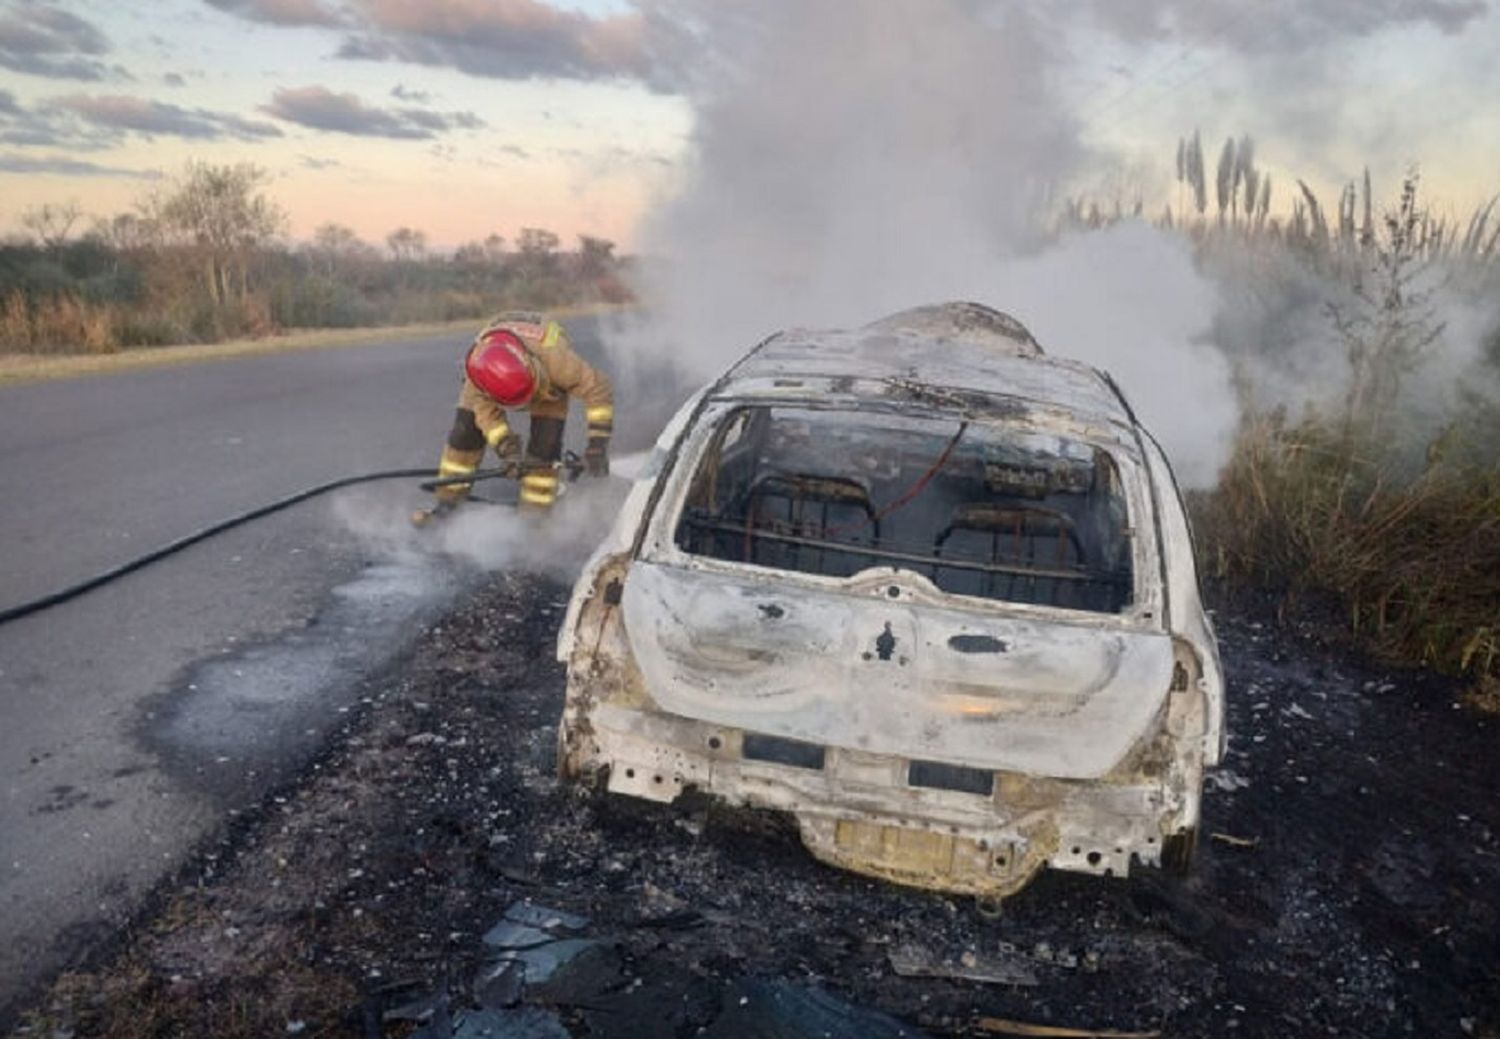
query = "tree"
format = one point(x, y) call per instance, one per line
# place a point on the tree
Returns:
point(220, 212)
point(126, 232)
point(536, 259)
point(51, 224)
point(334, 245)
point(407, 244)
point(595, 256)
point(470, 254)
point(336, 239)
point(536, 242)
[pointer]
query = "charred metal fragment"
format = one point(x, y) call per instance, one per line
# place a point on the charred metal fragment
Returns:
point(916, 961)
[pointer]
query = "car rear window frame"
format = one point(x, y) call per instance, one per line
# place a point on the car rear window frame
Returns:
point(1145, 610)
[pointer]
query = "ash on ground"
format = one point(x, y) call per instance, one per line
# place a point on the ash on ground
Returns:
point(431, 877)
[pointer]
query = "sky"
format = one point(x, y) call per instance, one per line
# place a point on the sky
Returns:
point(463, 118)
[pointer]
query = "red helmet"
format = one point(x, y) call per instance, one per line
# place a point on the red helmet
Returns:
point(502, 369)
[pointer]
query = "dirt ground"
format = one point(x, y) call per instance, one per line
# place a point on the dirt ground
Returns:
point(1348, 882)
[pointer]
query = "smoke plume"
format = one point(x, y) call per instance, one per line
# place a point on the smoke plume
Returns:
point(493, 536)
point(848, 164)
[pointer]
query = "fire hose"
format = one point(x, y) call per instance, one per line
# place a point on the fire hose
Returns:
point(571, 465)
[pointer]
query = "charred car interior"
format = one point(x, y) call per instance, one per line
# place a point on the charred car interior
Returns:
point(920, 586)
point(977, 510)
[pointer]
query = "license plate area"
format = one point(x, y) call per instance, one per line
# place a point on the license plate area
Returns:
point(906, 849)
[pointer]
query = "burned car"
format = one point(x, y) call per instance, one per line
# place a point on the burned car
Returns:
point(921, 586)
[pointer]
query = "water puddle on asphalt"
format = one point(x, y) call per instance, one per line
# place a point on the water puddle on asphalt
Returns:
point(237, 724)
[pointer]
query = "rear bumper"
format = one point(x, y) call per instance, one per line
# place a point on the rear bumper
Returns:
point(919, 823)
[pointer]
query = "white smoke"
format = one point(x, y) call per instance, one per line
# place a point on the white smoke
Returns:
point(493, 534)
point(1275, 320)
point(849, 161)
point(556, 543)
point(1279, 26)
point(1130, 300)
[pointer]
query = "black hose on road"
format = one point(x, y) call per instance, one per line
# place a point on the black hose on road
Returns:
point(25, 609)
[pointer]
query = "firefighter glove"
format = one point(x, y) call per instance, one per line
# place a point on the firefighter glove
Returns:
point(508, 448)
point(596, 456)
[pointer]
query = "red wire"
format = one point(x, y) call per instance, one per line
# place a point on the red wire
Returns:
point(910, 493)
point(905, 498)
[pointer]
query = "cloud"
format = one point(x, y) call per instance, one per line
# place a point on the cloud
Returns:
point(114, 112)
point(281, 12)
point(322, 109)
point(416, 97)
point(92, 122)
point(518, 39)
point(13, 163)
point(312, 162)
point(174, 79)
point(28, 128)
point(1273, 26)
point(41, 40)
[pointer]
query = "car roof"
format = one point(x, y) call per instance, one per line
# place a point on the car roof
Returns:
point(976, 353)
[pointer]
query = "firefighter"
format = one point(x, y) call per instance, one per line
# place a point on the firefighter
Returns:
point(523, 360)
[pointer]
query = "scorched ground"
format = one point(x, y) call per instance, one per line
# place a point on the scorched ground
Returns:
point(1348, 882)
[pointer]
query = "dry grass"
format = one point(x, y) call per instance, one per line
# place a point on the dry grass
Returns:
point(1414, 559)
point(57, 324)
point(1484, 694)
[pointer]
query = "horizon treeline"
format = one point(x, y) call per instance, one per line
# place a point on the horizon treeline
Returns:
point(205, 258)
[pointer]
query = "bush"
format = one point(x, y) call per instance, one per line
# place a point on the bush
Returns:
point(315, 301)
point(144, 327)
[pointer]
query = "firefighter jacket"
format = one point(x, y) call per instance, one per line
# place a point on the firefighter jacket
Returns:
point(561, 375)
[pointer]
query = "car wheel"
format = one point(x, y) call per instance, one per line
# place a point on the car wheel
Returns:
point(1178, 850)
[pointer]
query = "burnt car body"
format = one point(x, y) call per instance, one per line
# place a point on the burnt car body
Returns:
point(922, 587)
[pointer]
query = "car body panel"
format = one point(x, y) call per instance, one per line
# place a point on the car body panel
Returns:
point(871, 666)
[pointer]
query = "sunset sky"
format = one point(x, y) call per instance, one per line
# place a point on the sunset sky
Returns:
point(466, 117)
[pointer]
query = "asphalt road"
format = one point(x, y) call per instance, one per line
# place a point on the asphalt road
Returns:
point(134, 720)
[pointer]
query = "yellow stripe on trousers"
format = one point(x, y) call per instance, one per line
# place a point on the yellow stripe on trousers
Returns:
point(539, 488)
